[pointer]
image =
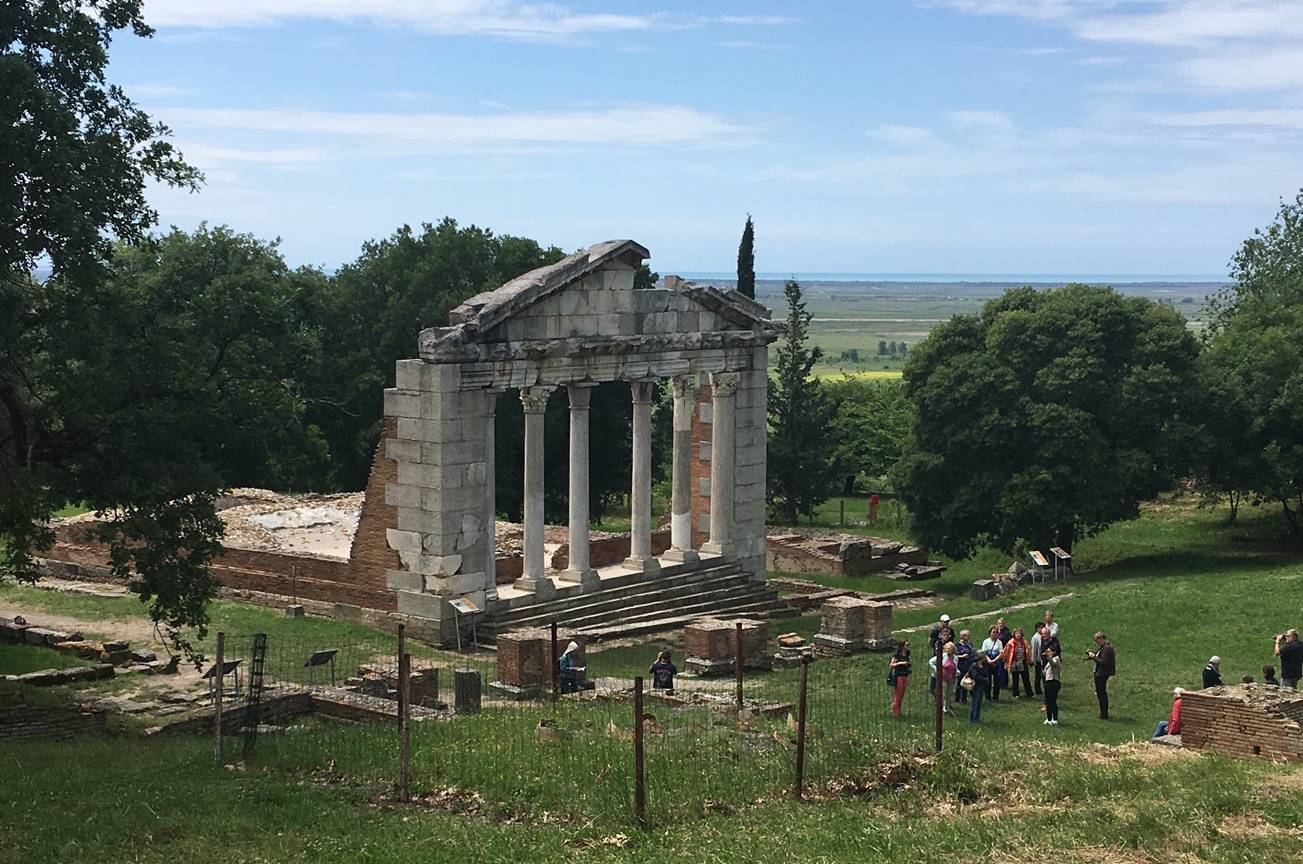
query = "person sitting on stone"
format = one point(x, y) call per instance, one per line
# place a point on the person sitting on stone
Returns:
point(570, 669)
point(663, 672)
point(1172, 725)
point(1269, 676)
point(1212, 673)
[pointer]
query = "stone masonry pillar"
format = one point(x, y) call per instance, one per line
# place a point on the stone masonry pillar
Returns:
point(579, 569)
point(723, 387)
point(640, 554)
point(685, 396)
point(490, 497)
point(534, 402)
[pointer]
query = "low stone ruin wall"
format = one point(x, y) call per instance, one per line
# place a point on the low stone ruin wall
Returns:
point(710, 645)
point(839, 554)
point(51, 722)
point(1246, 720)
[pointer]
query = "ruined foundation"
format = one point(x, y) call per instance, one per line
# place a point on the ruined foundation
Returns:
point(851, 625)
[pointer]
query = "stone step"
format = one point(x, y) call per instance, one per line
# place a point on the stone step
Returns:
point(607, 632)
point(697, 601)
point(599, 604)
point(631, 589)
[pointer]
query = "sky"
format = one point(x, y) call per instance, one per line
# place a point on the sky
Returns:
point(886, 136)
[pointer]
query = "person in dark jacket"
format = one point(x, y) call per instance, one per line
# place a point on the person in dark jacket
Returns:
point(1212, 673)
point(1105, 668)
point(965, 652)
point(663, 672)
point(1269, 676)
point(980, 671)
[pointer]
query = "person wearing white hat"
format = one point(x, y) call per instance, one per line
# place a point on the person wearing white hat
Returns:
point(570, 669)
point(940, 635)
point(943, 623)
point(1212, 673)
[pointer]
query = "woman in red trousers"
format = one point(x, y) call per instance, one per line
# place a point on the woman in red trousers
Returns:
point(899, 671)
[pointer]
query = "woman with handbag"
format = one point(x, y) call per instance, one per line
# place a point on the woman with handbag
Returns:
point(949, 670)
point(898, 675)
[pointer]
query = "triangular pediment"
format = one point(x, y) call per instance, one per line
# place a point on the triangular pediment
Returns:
point(590, 296)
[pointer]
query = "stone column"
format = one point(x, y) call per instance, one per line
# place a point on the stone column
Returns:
point(640, 517)
point(534, 578)
point(723, 434)
point(685, 396)
point(490, 497)
point(579, 570)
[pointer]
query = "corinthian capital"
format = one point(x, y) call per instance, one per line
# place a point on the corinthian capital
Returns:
point(723, 383)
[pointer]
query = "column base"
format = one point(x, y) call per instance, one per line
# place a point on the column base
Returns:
point(649, 565)
point(542, 588)
point(681, 556)
point(587, 579)
point(723, 550)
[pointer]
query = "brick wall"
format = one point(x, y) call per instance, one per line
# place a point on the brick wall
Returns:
point(50, 722)
point(1244, 720)
point(370, 555)
point(701, 465)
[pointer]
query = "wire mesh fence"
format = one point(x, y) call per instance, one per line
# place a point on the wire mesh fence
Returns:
point(332, 713)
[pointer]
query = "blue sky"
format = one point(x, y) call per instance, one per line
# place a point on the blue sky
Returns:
point(975, 136)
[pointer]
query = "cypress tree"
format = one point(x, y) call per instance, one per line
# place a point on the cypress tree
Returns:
point(801, 468)
point(746, 260)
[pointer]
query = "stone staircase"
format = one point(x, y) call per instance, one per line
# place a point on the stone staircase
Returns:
point(641, 606)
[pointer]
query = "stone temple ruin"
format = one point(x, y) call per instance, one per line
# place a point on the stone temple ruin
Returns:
point(571, 326)
point(423, 534)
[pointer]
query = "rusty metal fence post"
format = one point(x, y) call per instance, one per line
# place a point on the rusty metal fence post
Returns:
point(939, 695)
point(402, 730)
point(800, 726)
point(405, 727)
point(219, 682)
point(556, 665)
point(737, 662)
point(639, 780)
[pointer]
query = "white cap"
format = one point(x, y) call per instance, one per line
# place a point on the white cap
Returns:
point(945, 619)
point(1214, 660)
point(1178, 691)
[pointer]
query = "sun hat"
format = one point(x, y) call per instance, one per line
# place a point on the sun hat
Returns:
point(945, 619)
point(1214, 660)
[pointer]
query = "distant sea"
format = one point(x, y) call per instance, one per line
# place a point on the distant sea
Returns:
point(977, 278)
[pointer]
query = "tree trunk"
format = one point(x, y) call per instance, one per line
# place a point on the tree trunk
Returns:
point(1064, 536)
point(1290, 517)
point(1235, 505)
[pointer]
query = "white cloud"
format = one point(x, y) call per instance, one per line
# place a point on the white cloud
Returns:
point(202, 155)
point(628, 126)
point(503, 18)
point(1200, 44)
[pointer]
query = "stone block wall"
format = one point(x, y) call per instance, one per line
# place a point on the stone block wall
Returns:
point(851, 624)
point(710, 645)
point(525, 657)
point(51, 722)
point(749, 493)
point(1244, 720)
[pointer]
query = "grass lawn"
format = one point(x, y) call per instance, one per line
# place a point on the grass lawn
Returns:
point(21, 659)
point(1170, 589)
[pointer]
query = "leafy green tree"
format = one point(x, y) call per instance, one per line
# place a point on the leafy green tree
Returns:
point(882, 347)
point(92, 407)
point(372, 312)
point(746, 260)
point(801, 471)
point(870, 425)
point(1046, 417)
point(153, 388)
point(1254, 370)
